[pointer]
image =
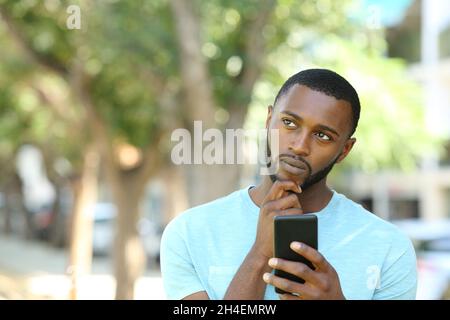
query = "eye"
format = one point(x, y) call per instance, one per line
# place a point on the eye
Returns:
point(323, 136)
point(288, 123)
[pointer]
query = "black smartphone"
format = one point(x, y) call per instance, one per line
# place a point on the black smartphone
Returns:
point(301, 228)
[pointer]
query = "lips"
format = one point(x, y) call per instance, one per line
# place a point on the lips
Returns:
point(294, 163)
point(293, 166)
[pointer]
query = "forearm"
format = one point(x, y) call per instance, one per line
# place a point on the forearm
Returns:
point(247, 283)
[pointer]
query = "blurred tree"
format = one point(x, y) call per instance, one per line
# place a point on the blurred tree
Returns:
point(391, 132)
point(136, 70)
point(223, 50)
point(32, 112)
point(55, 59)
point(122, 114)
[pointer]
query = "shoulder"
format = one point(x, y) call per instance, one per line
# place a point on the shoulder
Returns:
point(373, 225)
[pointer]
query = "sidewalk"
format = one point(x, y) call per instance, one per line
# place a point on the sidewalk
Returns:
point(34, 270)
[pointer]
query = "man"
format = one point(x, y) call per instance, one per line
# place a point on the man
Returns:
point(224, 249)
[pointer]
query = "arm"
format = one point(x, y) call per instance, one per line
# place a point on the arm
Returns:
point(201, 295)
point(248, 281)
point(180, 278)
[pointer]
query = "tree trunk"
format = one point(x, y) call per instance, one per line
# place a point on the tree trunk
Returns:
point(7, 213)
point(57, 231)
point(209, 182)
point(199, 94)
point(129, 255)
point(175, 195)
point(57, 237)
point(8, 206)
point(225, 178)
point(85, 196)
point(28, 223)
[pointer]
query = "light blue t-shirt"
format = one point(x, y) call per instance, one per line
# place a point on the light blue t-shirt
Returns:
point(202, 249)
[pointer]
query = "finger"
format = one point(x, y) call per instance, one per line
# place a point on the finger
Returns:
point(283, 284)
point(291, 201)
point(289, 212)
point(279, 187)
point(295, 198)
point(298, 269)
point(316, 258)
point(284, 188)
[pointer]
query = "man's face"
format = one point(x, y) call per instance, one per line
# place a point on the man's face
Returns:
point(314, 133)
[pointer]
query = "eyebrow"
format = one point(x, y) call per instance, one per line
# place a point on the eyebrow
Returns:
point(321, 126)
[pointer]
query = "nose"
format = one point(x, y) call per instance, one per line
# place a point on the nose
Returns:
point(300, 144)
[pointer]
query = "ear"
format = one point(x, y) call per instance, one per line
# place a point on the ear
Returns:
point(269, 115)
point(347, 147)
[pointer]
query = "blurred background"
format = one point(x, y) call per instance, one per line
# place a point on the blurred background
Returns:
point(91, 91)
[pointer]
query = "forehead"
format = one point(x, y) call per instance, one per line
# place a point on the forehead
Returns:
point(317, 108)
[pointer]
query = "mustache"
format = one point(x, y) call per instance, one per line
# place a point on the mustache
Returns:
point(298, 158)
point(280, 156)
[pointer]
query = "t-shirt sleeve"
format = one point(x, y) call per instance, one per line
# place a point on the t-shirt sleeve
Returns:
point(180, 278)
point(399, 272)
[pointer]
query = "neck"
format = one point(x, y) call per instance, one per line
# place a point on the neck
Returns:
point(313, 199)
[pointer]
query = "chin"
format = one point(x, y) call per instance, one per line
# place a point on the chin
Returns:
point(284, 176)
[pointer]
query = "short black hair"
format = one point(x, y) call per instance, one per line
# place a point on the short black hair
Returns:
point(328, 82)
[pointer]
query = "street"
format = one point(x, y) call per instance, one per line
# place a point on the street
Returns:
point(35, 270)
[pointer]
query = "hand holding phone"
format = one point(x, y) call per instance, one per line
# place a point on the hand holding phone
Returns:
point(288, 228)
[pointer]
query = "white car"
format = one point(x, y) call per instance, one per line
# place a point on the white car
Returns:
point(104, 232)
point(431, 240)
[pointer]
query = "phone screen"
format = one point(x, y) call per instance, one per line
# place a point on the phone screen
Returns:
point(302, 228)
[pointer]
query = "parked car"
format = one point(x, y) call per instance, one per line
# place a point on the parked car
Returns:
point(104, 229)
point(431, 240)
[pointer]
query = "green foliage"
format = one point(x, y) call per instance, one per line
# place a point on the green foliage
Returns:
point(391, 130)
point(124, 45)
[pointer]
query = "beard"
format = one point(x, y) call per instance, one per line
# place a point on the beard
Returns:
point(312, 179)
